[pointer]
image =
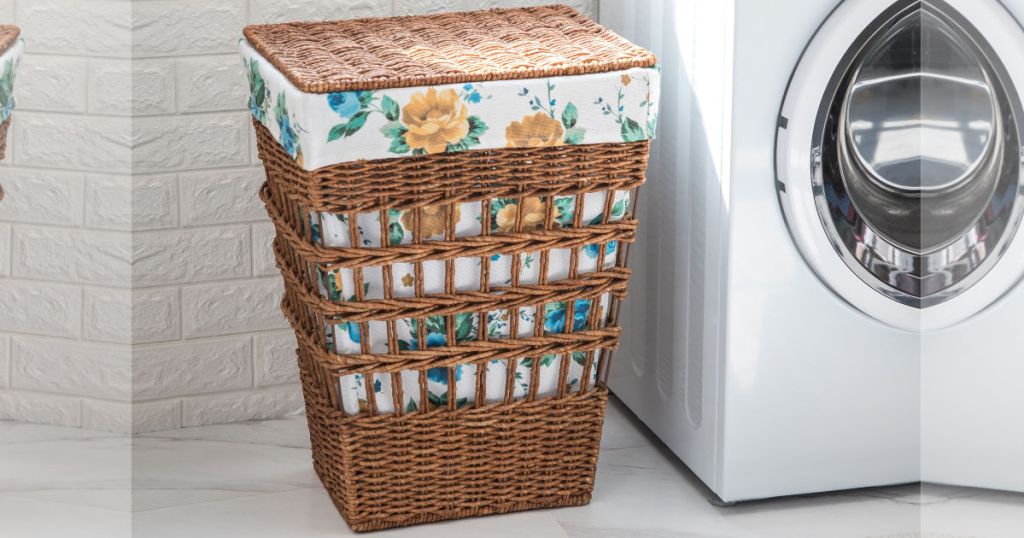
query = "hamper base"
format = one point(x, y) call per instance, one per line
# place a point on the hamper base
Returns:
point(393, 471)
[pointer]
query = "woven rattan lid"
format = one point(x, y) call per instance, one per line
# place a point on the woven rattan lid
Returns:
point(363, 54)
point(8, 35)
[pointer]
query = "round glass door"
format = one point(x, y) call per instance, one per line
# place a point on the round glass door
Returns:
point(919, 156)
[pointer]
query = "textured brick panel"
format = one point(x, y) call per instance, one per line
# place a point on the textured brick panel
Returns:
point(154, 202)
point(263, 262)
point(275, 359)
point(152, 87)
point(58, 84)
point(96, 27)
point(107, 315)
point(40, 408)
point(43, 196)
point(102, 371)
point(190, 142)
point(165, 28)
point(110, 87)
point(192, 368)
point(43, 308)
point(99, 257)
point(107, 416)
point(190, 255)
point(308, 10)
point(73, 142)
point(156, 416)
point(239, 407)
point(221, 196)
point(232, 308)
point(156, 315)
point(108, 202)
point(211, 84)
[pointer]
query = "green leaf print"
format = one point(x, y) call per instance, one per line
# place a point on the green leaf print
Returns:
point(411, 407)
point(631, 130)
point(437, 401)
point(652, 125)
point(574, 135)
point(569, 116)
point(564, 208)
point(389, 107)
point(396, 233)
point(393, 129)
point(546, 360)
point(398, 144)
point(442, 400)
point(436, 325)
point(619, 209)
point(477, 128)
point(464, 329)
point(259, 94)
point(348, 128)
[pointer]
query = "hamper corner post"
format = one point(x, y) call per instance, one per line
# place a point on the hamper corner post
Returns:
point(452, 243)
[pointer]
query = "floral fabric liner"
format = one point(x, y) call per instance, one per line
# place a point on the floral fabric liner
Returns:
point(322, 129)
point(347, 338)
point(8, 65)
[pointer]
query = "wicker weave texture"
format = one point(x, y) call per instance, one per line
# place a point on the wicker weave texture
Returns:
point(8, 35)
point(4, 127)
point(445, 456)
point(3, 145)
point(451, 460)
point(384, 472)
point(362, 54)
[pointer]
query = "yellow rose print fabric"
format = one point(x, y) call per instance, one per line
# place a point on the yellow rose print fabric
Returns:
point(434, 120)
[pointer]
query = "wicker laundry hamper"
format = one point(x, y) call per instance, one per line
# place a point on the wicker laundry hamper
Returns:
point(454, 196)
point(10, 50)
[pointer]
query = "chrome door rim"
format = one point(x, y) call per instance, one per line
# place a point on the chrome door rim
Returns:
point(919, 279)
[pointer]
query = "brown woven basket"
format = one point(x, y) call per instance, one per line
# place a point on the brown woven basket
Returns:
point(8, 36)
point(451, 460)
point(3, 137)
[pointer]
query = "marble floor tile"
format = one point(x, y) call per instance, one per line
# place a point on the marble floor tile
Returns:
point(28, 518)
point(170, 471)
point(20, 432)
point(256, 480)
point(309, 513)
point(65, 465)
point(289, 433)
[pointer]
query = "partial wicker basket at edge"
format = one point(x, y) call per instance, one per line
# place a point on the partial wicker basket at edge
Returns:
point(8, 36)
point(406, 468)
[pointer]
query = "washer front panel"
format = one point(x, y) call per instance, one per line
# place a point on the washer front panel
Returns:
point(899, 172)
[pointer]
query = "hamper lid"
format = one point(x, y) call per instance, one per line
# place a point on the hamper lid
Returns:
point(8, 36)
point(366, 54)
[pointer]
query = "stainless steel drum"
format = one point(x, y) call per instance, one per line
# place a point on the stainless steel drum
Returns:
point(919, 158)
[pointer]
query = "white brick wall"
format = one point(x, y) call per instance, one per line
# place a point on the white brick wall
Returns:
point(65, 230)
point(155, 92)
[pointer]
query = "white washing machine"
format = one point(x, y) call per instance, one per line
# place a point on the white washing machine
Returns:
point(826, 290)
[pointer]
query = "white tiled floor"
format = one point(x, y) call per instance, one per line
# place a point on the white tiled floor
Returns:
point(254, 480)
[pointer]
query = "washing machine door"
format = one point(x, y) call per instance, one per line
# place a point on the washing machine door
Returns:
point(899, 157)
